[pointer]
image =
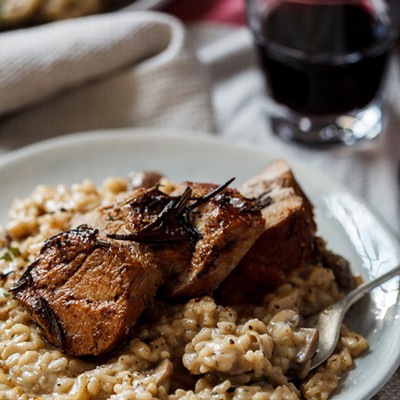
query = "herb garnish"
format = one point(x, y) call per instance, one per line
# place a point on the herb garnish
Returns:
point(173, 223)
point(10, 253)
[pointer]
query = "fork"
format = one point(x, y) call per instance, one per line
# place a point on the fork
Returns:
point(328, 322)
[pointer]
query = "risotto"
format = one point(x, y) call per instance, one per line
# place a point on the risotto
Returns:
point(194, 350)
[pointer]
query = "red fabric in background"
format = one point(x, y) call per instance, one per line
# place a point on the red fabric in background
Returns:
point(227, 11)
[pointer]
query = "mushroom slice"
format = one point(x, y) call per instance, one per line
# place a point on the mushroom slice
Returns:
point(290, 319)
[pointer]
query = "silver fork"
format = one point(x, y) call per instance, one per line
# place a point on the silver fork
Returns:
point(329, 321)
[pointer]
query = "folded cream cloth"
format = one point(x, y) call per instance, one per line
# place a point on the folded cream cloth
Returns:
point(112, 70)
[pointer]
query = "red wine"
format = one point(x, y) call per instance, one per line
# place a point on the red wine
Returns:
point(323, 57)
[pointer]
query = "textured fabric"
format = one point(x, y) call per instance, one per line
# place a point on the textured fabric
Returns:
point(113, 70)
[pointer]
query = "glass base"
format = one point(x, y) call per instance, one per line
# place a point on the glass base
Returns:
point(348, 129)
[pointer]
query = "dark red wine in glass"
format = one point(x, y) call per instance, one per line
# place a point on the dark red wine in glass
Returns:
point(322, 57)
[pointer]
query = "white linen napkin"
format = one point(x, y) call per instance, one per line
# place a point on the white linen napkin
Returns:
point(105, 71)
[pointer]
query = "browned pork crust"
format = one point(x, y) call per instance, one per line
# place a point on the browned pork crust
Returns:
point(89, 285)
point(85, 292)
point(229, 226)
point(286, 243)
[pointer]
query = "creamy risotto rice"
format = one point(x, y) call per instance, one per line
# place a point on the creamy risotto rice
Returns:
point(197, 350)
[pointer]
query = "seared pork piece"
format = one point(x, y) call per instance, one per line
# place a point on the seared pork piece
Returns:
point(225, 227)
point(286, 243)
point(229, 225)
point(89, 285)
point(276, 177)
point(85, 292)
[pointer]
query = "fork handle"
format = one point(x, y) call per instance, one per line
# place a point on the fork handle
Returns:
point(361, 290)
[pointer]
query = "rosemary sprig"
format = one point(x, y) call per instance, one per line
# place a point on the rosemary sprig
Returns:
point(209, 196)
point(50, 321)
point(26, 278)
point(173, 223)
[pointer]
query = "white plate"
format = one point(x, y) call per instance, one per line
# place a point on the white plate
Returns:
point(343, 219)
